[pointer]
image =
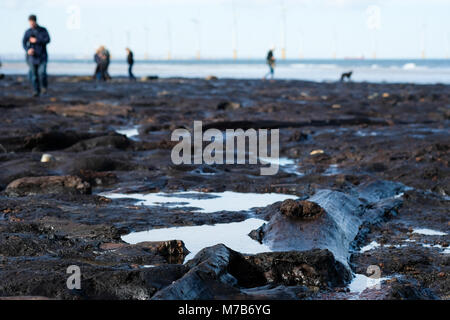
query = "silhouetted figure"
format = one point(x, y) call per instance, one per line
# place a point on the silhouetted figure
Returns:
point(35, 43)
point(102, 59)
point(130, 60)
point(108, 61)
point(1, 74)
point(347, 75)
point(270, 60)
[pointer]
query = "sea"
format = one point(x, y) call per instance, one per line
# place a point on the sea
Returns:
point(423, 71)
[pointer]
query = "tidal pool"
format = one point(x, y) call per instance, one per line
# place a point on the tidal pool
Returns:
point(285, 164)
point(234, 235)
point(204, 201)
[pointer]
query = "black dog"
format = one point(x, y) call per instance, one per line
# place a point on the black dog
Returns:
point(347, 75)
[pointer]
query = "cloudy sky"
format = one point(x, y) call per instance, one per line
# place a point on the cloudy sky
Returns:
point(314, 28)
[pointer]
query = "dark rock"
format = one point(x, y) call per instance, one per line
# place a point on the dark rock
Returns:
point(272, 292)
point(301, 209)
point(337, 229)
point(53, 140)
point(95, 163)
point(145, 253)
point(98, 178)
point(20, 168)
point(94, 109)
point(112, 141)
point(47, 185)
point(313, 268)
point(404, 290)
point(215, 272)
point(228, 105)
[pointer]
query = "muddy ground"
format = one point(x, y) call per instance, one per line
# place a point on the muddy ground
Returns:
point(366, 133)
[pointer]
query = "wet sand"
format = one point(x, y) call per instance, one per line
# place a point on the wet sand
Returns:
point(385, 149)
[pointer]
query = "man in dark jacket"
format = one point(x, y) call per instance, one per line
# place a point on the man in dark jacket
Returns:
point(130, 60)
point(35, 43)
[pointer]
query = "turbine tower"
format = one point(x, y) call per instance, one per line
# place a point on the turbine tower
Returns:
point(169, 40)
point(300, 52)
point(128, 37)
point(146, 33)
point(373, 22)
point(423, 42)
point(234, 31)
point(199, 39)
point(335, 41)
point(448, 45)
point(283, 30)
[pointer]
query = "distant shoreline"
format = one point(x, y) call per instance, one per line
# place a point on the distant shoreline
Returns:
point(124, 79)
point(372, 71)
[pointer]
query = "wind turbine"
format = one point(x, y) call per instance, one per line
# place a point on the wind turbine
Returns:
point(448, 45)
point(423, 41)
point(197, 26)
point(335, 44)
point(234, 31)
point(300, 52)
point(146, 34)
point(128, 37)
point(373, 24)
point(169, 39)
point(283, 30)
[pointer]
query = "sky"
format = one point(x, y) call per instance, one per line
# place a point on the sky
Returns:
point(312, 28)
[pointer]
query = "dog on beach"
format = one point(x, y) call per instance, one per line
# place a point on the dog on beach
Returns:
point(347, 75)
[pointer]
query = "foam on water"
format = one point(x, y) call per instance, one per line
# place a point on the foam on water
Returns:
point(362, 282)
point(370, 246)
point(234, 235)
point(332, 170)
point(429, 232)
point(129, 132)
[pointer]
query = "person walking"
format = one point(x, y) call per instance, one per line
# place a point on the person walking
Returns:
point(270, 60)
point(130, 60)
point(35, 43)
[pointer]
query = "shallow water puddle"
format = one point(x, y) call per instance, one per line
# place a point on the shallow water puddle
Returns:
point(438, 246)
point(205, 202)
point(285, 164)
point(234, 235)
point(429, 232)
point(129, 132)
point(332, 170)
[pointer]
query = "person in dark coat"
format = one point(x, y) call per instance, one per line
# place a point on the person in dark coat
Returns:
point(102, 61)
point(35, 43)
point(130, 60)
point(270, 60)
point(1, 74)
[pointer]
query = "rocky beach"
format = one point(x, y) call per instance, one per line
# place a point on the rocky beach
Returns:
point(362, 192)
